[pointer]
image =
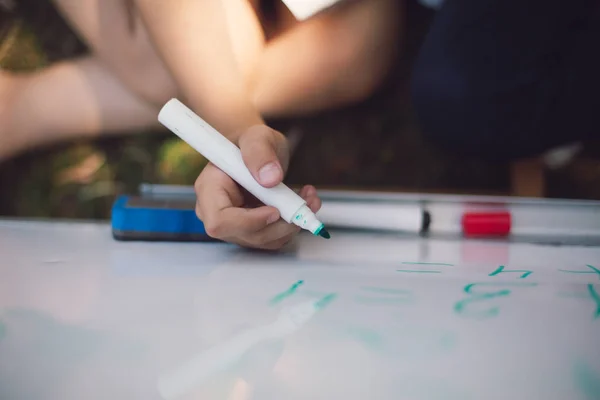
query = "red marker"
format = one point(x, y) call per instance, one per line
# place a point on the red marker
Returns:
point(486, 223)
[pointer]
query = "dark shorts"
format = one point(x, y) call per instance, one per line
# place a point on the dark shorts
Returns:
point(504, 79)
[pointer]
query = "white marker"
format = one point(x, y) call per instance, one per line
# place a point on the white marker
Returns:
point(227, 157)
point(409, 217)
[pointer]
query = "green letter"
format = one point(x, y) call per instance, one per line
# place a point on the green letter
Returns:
point(500, 269)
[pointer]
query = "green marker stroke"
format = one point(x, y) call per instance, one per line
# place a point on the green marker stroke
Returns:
point(418, 271)
point(461, 307)
point(366, 336)
point(500, 269)
point(283, 295)
point(384, 290)
point(321, 304)
point(593, 270)
point(587, 380)
point(383, 295)
point(594, 295)
point(427, 263)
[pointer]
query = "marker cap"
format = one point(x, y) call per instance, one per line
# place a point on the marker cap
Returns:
point(486, 223)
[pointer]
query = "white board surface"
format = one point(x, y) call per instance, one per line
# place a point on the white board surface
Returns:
point(361, 316)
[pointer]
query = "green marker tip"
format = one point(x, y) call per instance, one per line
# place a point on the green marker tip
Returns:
point(324, 234)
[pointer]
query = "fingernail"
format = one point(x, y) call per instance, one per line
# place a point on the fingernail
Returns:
point(272, 218)
point(269, 173)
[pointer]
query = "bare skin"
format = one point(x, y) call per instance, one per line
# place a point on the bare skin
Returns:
point(281, 80)
point(234, 74)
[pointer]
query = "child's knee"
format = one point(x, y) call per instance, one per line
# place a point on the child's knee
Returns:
point(363, 65)
point(151, 82)
point(362, 74)
point(363, 48)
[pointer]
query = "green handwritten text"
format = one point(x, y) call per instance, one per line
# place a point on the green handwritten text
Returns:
point(500, 269)
point(367, 336)
point(324, 302)
point(594, 270)
point(428, 263)
point(412, 271)
point(590, 292)
point(283, 295)
point(587, 380)
point(462, 306)
point(596, 298)
point(381, 295)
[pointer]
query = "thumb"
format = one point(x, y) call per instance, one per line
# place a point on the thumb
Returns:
point(259, 151)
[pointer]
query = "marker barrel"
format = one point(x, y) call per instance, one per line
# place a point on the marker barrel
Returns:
point(227, 157)
point(374, 216)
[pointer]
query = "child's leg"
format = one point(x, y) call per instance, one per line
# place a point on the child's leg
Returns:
point(328, 61)
point(246, 34)
point(117, 90)
point(333, 59)
point(116, 35)
point(66, 101)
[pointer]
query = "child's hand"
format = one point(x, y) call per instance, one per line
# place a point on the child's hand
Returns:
point(230, 214)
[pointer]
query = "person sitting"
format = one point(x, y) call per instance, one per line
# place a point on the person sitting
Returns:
point(234, 62)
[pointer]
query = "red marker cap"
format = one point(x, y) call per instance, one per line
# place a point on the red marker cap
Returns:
point(486, 223)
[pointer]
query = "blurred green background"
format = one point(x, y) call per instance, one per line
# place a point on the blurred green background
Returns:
point(375, 145)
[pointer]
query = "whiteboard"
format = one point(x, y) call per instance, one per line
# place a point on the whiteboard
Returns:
point(361, 316)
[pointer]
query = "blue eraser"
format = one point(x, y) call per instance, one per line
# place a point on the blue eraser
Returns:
point(156, 219)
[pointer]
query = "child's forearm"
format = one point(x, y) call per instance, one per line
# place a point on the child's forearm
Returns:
point(192, 38)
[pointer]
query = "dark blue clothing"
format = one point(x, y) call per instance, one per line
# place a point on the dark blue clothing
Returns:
point(503, 79)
